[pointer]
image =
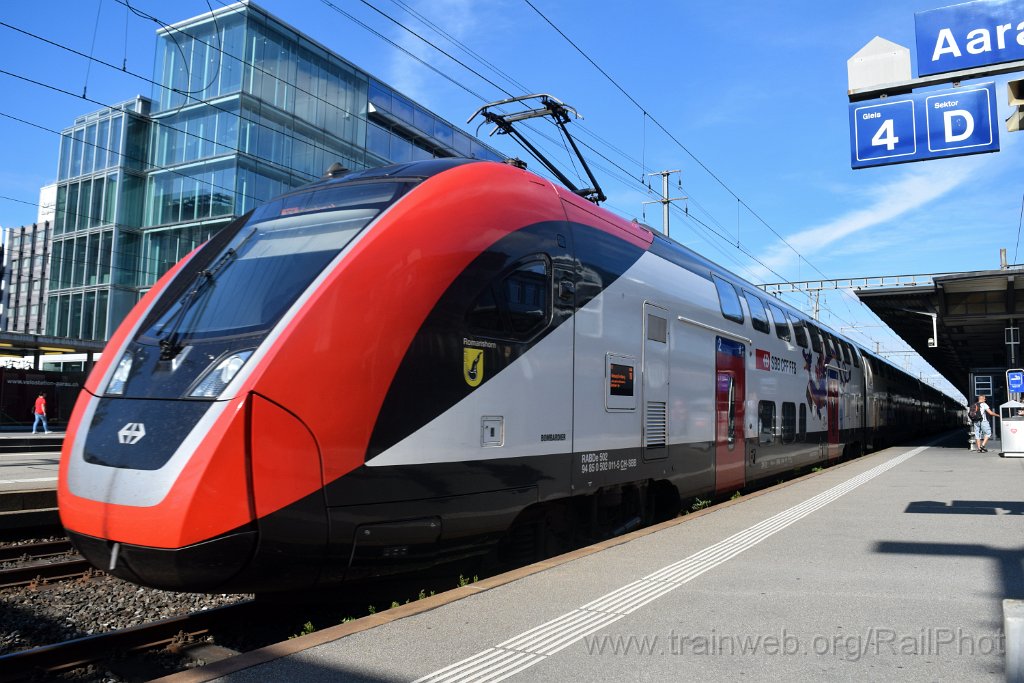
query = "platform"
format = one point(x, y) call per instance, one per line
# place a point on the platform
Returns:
point(891, 566)
point(28, 481)
point(29, 461)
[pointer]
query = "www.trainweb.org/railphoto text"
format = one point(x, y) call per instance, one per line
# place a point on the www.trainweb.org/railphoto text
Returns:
point(874, 641)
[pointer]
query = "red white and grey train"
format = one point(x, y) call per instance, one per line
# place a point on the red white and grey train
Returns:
point(404, 365)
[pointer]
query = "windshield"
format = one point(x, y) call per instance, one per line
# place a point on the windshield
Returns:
point(246, 288)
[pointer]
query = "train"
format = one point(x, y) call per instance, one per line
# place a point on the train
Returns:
point(401, 367)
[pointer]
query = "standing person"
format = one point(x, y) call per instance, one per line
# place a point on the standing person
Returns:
point(979, 419)
point(40, 413)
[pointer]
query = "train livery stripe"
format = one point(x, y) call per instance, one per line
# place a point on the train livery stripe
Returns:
point(534, 646)
point(433, 364)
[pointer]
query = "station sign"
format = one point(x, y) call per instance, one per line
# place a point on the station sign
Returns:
point(1015, 380)
point(925, 125)
point(969, 35)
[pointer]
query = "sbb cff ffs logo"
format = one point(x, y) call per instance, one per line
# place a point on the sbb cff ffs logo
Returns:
point(131, 433)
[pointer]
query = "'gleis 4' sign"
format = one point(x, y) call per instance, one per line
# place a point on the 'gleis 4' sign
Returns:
point(926, 125)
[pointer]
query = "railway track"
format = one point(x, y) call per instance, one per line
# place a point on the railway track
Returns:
point(35, 550)
point(38, 562)
point(79, 652)
point(45, 571)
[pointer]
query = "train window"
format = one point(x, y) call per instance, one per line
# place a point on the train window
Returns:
point(846, 350)
point(799, 331)
point(765, 422)
point(855, 353)
point(788, 422)
point(781, 324)
point(758, 316)
point(803, 423)
point(516, 305)
point(728, 299)
point(261, 269)
point(815, 335)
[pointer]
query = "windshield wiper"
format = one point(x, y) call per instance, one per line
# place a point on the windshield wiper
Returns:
point(170, 343)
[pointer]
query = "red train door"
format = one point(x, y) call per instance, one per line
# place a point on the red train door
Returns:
point(730, 394)
point(832, 405)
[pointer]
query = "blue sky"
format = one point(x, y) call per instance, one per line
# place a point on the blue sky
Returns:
point(755, 93)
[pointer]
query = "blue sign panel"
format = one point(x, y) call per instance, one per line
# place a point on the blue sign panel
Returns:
point(884, 131)
point(1015, 380)
point(969, 35)
point(926, 125)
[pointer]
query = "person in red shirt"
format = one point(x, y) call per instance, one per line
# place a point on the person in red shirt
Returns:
point(40, 413)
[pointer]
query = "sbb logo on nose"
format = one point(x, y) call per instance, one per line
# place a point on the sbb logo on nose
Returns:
point(131, 433)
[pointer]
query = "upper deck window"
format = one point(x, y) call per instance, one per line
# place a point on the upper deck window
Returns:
point(758, 316)
point(781, 324)
point(815, 335)
point(728, 299)
point(800, 331)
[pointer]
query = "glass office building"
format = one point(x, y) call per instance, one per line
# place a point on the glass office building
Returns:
point(26, 260)
point(94, 267)
point(248, 108)
point(252, 108)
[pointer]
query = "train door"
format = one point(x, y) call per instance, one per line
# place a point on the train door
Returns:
point(730, 394)
point(832, 406)
point(655, 382)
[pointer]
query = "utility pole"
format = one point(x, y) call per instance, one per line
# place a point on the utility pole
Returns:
point(665, 200)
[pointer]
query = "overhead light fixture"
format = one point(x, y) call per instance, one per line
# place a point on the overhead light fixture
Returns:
point(6, 345)
point(56, 349)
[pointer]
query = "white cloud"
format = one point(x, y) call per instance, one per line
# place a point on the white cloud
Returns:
point(411, 77)
point(912, 189)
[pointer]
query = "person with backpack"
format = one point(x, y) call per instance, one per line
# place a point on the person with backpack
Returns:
point(978, 415)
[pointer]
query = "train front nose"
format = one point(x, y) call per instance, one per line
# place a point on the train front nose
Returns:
point(156, 491)
point(198, 495)
point(207, 566)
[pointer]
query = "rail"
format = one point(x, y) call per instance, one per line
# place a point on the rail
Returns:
point(80, 652)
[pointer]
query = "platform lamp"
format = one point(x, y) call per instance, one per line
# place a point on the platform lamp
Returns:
point(1015, 95)
point(933, 341)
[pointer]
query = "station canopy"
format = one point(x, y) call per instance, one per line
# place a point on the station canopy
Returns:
point(978, 313)
point(18, 345)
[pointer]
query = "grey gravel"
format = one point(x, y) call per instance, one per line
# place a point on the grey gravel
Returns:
point(53, 613)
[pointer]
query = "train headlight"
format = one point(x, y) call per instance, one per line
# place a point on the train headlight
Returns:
point(220, 375)
point(117, 382)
